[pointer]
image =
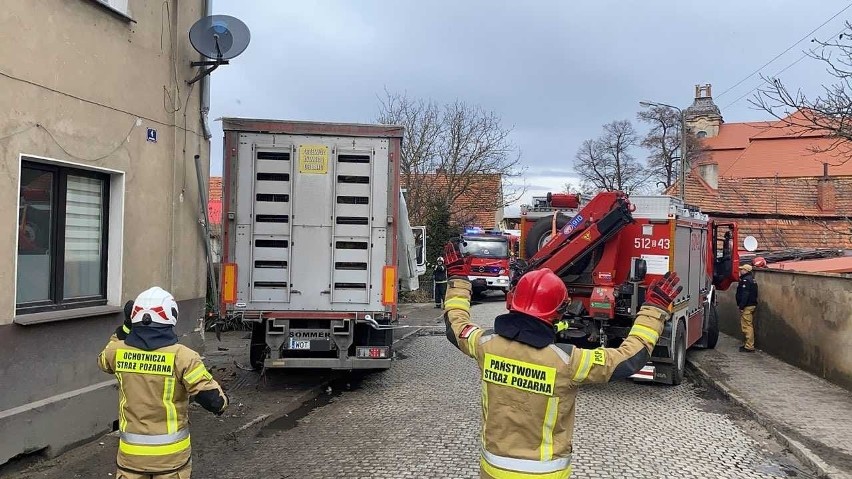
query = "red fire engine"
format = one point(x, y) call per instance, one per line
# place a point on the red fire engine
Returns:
point(611, 249)
point(484, 256)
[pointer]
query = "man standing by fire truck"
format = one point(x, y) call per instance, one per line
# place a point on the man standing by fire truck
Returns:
point(747, 302)
point(521, 364)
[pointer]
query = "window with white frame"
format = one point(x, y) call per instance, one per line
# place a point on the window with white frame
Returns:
point(62, 238)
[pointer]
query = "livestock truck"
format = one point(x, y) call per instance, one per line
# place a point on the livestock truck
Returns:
point(316, 241)
point(608, 252)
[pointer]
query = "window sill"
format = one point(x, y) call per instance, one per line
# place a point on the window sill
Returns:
point(118, 13)
point(52, 316)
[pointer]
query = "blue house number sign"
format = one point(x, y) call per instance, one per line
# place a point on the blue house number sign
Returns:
point(152, 135)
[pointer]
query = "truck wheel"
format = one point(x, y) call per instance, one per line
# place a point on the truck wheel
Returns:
point(713, 328)
point(540, 233)
point(679, 358)
point(257, 346)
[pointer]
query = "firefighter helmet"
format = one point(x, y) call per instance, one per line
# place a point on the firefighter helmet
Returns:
point(540, 294)
point(759, 262)
point(155, 305)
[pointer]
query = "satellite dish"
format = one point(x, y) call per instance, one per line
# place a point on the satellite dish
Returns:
point(219, 37)
point(750, 243)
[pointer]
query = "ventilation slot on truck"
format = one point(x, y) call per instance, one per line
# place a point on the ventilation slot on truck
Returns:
point(273, 177)
point(271, 264)
point(273, 155)
point(361, 180)
point(350, 285)
point(352, 220)
point(274, 198)
point(271, 243)
point(350, 266)
point(353, 200)
point(353, 158)
point(351, 245)
point(270, 284)
point(272, 218)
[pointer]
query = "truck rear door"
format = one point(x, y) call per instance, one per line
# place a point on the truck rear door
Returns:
point(312, 226)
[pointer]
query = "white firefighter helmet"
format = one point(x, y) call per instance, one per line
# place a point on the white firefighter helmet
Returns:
point(440, 259)
point(155, 305)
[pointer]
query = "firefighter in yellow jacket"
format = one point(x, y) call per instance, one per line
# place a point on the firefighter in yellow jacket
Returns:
point(529, 383)
point(156, 377)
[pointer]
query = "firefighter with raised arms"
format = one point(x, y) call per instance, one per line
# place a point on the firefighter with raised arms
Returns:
point(156, 378)
point(530, 383)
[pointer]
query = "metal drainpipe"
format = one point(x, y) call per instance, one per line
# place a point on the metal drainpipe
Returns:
point(205, 85)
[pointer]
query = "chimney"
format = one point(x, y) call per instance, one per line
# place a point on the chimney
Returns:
point(826, 193)
point(710, 174)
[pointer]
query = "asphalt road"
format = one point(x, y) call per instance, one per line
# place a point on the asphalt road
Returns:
point(421, 419)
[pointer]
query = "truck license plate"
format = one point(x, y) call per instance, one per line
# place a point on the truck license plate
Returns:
point(297, 344)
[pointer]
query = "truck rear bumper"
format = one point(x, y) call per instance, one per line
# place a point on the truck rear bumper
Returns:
point(328, 363)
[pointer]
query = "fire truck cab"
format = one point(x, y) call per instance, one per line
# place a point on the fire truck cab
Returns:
point(485, 258)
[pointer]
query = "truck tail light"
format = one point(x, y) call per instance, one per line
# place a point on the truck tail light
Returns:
point(389, 285)
point(229, 283)
point(372, 352)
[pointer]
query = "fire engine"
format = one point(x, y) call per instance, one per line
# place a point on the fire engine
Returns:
point(484, 256)
point(609, 251)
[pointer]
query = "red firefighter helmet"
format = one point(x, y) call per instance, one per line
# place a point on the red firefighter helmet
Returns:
point(759, 262)
point(540, 294)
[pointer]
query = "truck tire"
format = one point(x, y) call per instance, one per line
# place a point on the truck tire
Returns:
point(679, 355)
point(257, 346)
point(712, 334)
point(540, 232)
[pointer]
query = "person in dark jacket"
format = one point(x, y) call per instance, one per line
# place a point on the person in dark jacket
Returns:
point(747, 302)
point(440, 278)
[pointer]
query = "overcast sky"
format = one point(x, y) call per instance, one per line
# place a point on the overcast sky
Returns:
point(555, 71)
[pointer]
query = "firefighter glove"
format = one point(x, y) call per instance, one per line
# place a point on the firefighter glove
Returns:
point(663, 291)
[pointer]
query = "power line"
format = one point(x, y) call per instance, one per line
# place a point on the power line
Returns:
point(785, 51)
point(804, 55)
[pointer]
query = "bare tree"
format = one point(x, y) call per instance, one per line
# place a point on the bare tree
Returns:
point(663, 141)
point(606, 164)
point(452, 155)
point(829, 113)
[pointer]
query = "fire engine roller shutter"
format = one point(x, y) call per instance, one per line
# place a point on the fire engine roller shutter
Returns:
point(272, 209)
point(352, 226)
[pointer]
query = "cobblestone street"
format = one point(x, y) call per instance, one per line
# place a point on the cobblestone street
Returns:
point(421, 419)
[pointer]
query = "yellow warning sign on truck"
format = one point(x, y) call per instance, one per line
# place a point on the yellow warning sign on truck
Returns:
point(313, 159)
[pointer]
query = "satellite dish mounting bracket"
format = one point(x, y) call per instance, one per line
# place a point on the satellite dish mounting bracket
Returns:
point(219, 38)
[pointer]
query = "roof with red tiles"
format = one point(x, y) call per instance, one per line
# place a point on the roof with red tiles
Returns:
point(784, 148)
point(767, 196)
point(774, 234)
point(478, 205)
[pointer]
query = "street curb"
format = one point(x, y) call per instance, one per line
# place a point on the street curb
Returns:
point(299, 400)
point(799, 450)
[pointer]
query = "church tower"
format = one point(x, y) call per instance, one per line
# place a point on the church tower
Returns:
point(703, 118)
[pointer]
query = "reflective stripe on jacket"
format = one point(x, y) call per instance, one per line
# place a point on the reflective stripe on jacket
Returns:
point(154, 390)
point(528, 394)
